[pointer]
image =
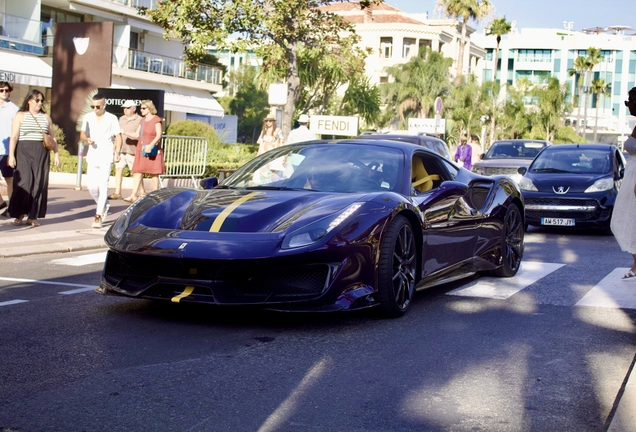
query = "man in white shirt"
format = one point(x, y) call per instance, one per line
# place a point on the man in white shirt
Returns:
point(301, 133)
point(8, 110)
point(101, 131)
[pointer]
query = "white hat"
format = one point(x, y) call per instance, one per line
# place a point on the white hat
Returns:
point(128, 103)
point(304, 118)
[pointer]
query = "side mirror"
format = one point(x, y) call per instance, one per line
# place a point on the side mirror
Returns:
point(209, 183)
point(522, 170)
point(483, 155)
point(621, 174)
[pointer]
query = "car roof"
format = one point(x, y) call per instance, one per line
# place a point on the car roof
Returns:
point(521, 141)
point(577, 146)
point(401, 137)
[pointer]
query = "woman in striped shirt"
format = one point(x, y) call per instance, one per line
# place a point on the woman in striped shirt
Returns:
point(31, 160)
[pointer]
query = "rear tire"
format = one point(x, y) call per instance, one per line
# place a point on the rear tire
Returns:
point(396, 268)
point(511, 243)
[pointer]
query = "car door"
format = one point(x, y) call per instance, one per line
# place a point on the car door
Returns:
point(448, 219)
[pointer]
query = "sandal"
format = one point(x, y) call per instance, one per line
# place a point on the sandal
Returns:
point(32, 222)
point(114, 196)
point(17, 222)
point(130, 199)
point(629, 274)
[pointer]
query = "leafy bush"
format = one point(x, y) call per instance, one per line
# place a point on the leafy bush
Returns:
point(195, 129)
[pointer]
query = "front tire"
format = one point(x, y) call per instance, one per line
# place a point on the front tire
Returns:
point(511, 243)
point(396, 268)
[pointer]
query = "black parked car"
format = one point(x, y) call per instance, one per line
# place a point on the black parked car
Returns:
point(505, 157)
point(573, 185)
point(425, 140)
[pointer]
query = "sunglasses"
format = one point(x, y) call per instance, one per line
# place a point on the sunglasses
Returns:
point(143, 108)
point(38, 100)
point(96, 106)
point(5, 91)
point(268, 121)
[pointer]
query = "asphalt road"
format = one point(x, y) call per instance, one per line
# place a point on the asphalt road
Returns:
point(533, 360)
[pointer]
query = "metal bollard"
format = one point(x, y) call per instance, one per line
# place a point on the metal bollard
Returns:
point(80, 158)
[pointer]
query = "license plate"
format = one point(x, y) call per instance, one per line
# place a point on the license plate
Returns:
point(557, 221)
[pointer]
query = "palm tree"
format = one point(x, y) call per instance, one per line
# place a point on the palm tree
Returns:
point(600, 88)
point(416, 83)
point(552, 106)
point(578, 68)
point(498, 27)
point(593, 58)
point(466, 10)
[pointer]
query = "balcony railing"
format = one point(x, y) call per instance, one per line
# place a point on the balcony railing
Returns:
point(150, 4)
point(143, 61)
point(20, 28)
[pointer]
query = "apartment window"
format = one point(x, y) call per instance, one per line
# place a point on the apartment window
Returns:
point(608, 56)
point(489, 54)
point(384, 79)
point(134, 40)
point(408, 49)
point(386, 47)
point(534, 55)
point(535, 77)
point(49, 17)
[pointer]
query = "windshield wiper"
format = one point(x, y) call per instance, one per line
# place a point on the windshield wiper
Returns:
point(224, 187)
point(263, 187)
point(554, 170)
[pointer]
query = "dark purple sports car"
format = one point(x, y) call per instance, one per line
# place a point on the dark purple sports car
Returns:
point(319, 226)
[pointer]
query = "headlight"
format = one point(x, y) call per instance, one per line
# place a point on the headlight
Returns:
point(121, 224)
point(478, 170)
point(526, 184)
point(318, 230)
point(601, 185)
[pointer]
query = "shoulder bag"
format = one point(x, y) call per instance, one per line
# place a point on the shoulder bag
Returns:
point(47, 140)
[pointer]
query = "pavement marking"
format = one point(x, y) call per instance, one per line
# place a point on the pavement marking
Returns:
point(46, 282)
point(82, 260)
point(79, 290)
point(503, 288)
point(612, 292)
point(12, 302)
point(39, 237)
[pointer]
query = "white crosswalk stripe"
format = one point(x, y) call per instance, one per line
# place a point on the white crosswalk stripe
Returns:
point(502, 288)
point(82, 260)
point(612, 292)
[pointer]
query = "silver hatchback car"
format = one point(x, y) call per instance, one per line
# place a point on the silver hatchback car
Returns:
point(505, 157)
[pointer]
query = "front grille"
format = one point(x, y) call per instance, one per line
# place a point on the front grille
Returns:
point(562, 202)
point(492, 171)
point(582, 216)
point(228, 281)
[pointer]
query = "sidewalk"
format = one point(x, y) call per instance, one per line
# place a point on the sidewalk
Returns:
point(67, 225)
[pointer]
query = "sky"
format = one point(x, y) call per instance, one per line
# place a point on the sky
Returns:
point(545, 13)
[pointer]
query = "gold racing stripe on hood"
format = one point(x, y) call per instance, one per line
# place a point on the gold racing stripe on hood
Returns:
point(216, 225)
point(186, 292)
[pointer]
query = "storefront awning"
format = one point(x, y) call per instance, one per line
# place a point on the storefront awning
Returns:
point(178, 99)
point(24, 69)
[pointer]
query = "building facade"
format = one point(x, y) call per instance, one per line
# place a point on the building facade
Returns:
point(141, 57)
point(538, 54)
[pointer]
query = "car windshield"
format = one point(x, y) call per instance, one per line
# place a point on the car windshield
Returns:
point(579, 160)
point(322, 167)
point(514, 150)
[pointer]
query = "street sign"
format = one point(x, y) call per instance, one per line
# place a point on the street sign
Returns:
point(334, 125)
point(436, 125)
point(439, 106)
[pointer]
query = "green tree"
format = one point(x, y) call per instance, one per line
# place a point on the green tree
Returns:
point(250, 103)
point(514, 118)
point(413, 86)
point(466, 106)
point(578, 70)
point(363, 99)
point(498, 27)
point(593, 58)
point(466, 10)
point(274, 30)
point(552, 107)
point(600, 88)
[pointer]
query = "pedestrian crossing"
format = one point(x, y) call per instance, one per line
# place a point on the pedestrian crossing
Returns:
point(611, 292)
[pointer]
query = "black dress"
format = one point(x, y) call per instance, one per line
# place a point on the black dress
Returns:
point(30, 180)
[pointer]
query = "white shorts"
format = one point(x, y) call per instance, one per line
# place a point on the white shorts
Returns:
point(125, 159)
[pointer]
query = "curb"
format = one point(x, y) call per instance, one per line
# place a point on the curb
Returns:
point(58, 247)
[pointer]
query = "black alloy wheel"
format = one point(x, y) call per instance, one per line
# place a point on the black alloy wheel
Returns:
point(512, 234)
point(396, 269)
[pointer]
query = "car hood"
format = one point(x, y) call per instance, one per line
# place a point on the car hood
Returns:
point(236, 211)
point(547, 182)
point(507, 163)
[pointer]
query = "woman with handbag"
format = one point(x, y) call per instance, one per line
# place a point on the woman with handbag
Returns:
point(149, 156)
point(29, 147)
